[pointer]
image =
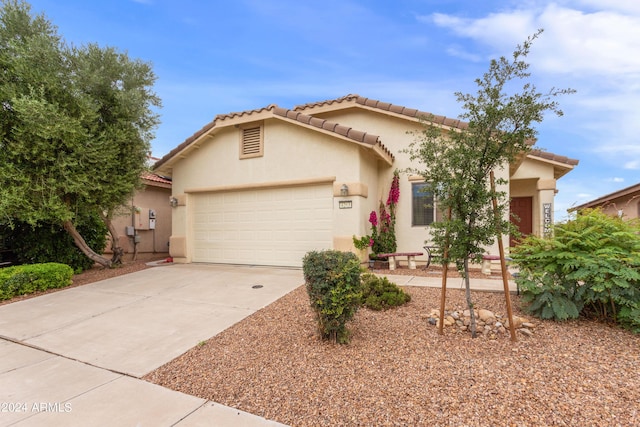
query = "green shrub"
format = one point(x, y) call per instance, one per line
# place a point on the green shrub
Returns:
point(378, 293)
point(51, 243)
point(591, 267)
point(332, 280)
point(27, 279)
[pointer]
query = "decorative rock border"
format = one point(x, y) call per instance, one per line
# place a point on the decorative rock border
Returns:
point(488, 323)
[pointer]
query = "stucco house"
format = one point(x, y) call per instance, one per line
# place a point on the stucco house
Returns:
point(263, 187)
point(624, 203)
point(144, 226)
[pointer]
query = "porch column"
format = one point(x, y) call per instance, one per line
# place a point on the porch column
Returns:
point(544, 209)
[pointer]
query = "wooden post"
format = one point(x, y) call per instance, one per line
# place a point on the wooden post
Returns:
point(445, 270)
point(503, 261)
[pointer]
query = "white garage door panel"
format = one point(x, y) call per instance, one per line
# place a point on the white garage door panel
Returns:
point(262, 227)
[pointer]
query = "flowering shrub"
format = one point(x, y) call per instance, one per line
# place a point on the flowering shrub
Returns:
point(383, 227)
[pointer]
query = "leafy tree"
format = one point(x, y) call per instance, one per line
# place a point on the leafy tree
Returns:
point(75, 126)
point(457, 164)
point(41, 244)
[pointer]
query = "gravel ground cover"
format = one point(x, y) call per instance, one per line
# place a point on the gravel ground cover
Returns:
point(398, 371)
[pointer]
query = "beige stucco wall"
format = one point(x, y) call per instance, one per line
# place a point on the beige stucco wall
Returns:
point(151, 197)
point(628, 206)
point(395, 134)
point(292, 154)
point(536, 179)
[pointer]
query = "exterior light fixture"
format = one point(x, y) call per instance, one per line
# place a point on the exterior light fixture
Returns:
point(173, 201)
point(344, 190)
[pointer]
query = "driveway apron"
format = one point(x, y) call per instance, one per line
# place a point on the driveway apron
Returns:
point(74, 357)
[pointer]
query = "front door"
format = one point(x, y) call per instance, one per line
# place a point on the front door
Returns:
point(522, 209)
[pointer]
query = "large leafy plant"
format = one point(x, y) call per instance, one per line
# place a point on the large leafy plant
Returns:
point(591, 267)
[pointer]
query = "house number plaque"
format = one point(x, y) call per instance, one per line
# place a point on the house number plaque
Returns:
point(345, 204)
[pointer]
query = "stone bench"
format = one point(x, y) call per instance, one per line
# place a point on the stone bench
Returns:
point(411, 258)
point(486, 262)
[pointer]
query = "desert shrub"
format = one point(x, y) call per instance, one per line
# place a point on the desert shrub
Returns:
point(591, 267)
point(27, 279)
point(51, 243)
point(332, 280)
point(378, 293)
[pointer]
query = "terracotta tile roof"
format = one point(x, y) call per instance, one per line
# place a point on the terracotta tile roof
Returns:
point(244, 113)
point(206, 128)
point(153, 179)
point(356, 135)
point(413, 113)
point(386, 106)
point(346, 131)
point(554, 157)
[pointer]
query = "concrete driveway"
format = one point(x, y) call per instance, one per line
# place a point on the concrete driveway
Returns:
point(75, 357)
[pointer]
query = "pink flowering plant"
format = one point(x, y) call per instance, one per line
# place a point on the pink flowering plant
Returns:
point(383, 226)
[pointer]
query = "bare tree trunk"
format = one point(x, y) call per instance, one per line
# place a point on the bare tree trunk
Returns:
point(82, 245)
point(468, 295)
point(503, 261)
point(116, 249)
point(445, 272)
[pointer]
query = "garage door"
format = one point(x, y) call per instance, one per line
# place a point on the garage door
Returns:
point(274, 226)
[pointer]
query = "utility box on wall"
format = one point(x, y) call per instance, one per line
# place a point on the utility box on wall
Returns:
point(152, 219)
point(141, 218)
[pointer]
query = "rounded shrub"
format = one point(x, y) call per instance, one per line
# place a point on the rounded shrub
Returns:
point(27, 279)
point(378, 293)
point(332, 280)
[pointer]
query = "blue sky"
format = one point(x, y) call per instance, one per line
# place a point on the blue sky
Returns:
point(215, 57)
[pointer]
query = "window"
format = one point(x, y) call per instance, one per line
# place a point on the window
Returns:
point(423, 207)
point(251, 142)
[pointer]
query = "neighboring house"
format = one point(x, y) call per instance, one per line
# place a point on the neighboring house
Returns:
point(263, 187)
point(146, 221)
point(624, 203)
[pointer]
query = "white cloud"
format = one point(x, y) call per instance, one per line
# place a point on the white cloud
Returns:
point(496, 29)
point(589, 45)
point(578, 42)
point(633, 164)
point(615, 179)
point(625, 6)
point(603, 42)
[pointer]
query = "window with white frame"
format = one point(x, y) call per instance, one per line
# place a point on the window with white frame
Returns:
point(423, 206)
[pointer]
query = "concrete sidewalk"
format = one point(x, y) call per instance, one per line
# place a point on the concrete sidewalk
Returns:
point(435, 281)
point(74, 357)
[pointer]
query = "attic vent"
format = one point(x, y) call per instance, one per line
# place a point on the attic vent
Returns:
point(251, 142)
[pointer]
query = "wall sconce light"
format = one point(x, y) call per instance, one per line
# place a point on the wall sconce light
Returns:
point(173, 201)
point(344, 190)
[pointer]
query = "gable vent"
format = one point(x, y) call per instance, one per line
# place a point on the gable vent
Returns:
point(251, 141)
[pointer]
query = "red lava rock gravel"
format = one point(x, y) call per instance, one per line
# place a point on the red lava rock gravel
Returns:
point(398, 371)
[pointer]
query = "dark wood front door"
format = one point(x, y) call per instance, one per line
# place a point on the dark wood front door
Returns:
point(522, 208)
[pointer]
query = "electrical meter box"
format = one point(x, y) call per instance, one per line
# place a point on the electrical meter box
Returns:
point(141, 218)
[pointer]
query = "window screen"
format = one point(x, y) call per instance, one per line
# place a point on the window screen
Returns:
point(423, 207)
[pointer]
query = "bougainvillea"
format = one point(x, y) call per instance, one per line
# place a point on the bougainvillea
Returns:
point(383, 238)
point(373, 219)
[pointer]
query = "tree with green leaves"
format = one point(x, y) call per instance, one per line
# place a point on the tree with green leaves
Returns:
point(75, 126)
point(457, 164)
